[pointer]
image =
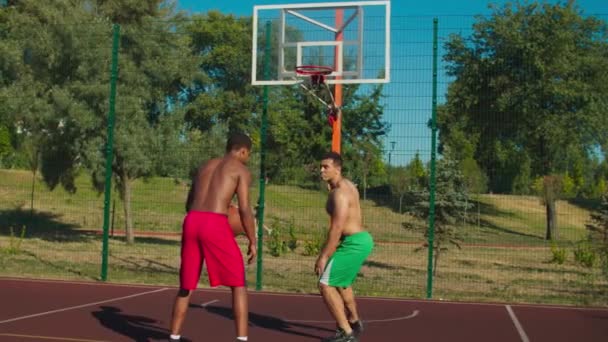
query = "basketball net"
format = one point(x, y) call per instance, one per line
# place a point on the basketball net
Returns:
point(314, 84)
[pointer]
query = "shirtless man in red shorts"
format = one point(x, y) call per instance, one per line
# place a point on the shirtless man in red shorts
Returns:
point(207, 236)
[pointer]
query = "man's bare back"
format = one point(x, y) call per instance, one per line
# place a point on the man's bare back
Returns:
point(347, 192)
point(216, 182)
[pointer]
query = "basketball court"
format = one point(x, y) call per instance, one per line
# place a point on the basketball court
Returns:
point(34, 310)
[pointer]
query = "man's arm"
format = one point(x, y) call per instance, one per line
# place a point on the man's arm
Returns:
point(247, 219)
point(337, 221)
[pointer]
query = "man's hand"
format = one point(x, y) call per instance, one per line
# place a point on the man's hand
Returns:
point(320, 265)
point(252, 252)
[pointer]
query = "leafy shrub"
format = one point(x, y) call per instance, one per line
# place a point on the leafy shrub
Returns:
point(584, 254)
point(312, 246)
point(292, 243)
point(559, 254)
point(14, 242)
point(282, 237)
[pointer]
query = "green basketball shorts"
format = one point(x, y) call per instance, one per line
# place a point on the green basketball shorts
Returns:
point(344, 265)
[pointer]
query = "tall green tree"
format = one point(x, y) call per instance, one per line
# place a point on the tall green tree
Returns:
point(408, 180)
point(59, 94)
point(529, 80)
point(224, 94)
point(451, 204)
point(44, 48)
point(156, 65)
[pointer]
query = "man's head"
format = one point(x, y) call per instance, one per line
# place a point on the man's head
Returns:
point(239, 145)
point(331, 166)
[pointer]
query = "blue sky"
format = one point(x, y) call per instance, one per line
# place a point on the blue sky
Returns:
point(399, 8)
point(408, 104)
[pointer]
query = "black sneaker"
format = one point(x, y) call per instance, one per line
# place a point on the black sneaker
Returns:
point(341, 336)
point(357, 327)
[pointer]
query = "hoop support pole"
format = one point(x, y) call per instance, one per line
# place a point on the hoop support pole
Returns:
point(336, 135)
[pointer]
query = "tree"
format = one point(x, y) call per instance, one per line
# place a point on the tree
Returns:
point(224, 93)
point(5, 144)
point(522, 183)
point(44, 44)
point(59, 91)
point(408, 180)
point(399, 183)
point(156, 64)
point(598, 225)
point(451, 203)
point(551, 190)
point(362, 133)
point(598, 231)
point(542, 67)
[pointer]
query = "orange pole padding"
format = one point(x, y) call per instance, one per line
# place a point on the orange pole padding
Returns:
point(336, 136)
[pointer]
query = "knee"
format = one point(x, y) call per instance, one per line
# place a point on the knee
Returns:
point(183, 293)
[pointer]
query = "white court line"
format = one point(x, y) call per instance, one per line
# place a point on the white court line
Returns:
point(204, 305)
point(75, 282)
point(81, 306)
point(520, 329)
point(414, 314)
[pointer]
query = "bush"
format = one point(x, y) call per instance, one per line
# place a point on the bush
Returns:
point(282, 237)
point(584, 254)
point(14, 242)
point(292, 243)
point(559, 254)
point(276, 246)
point(312, 246)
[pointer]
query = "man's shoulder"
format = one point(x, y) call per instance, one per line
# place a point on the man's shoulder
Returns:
point(235, 167)
point(212, 161)
point(350, 191)
point(209, 164)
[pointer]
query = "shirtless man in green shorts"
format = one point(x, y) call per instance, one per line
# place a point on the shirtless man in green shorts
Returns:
point(346, 248)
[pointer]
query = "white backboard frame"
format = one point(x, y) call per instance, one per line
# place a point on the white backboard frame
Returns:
point(291, 9)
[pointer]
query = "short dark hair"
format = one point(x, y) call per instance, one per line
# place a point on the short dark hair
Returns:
point(334, 156)
point(238, 140)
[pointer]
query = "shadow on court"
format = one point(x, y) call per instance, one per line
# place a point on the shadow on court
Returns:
point(139, 328)
point(270, 322)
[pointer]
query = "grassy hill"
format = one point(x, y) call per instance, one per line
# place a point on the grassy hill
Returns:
point(158, 206)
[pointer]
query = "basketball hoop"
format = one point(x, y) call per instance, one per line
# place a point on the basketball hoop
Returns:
point(316, 75)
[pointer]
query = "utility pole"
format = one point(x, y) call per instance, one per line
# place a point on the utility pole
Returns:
point(392, 149)
point(389, 159)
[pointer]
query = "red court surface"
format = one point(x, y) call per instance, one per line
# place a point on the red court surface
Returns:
point(32, 310)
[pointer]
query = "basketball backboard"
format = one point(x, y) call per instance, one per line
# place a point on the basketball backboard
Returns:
point(352, 38)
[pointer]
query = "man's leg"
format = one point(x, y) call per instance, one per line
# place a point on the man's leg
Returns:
point(349, 301)
point(240, 309)
point(334, 303)
point(352, 313)
point(182, 300)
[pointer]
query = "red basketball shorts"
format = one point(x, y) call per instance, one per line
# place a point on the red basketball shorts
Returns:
point(207, 237)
